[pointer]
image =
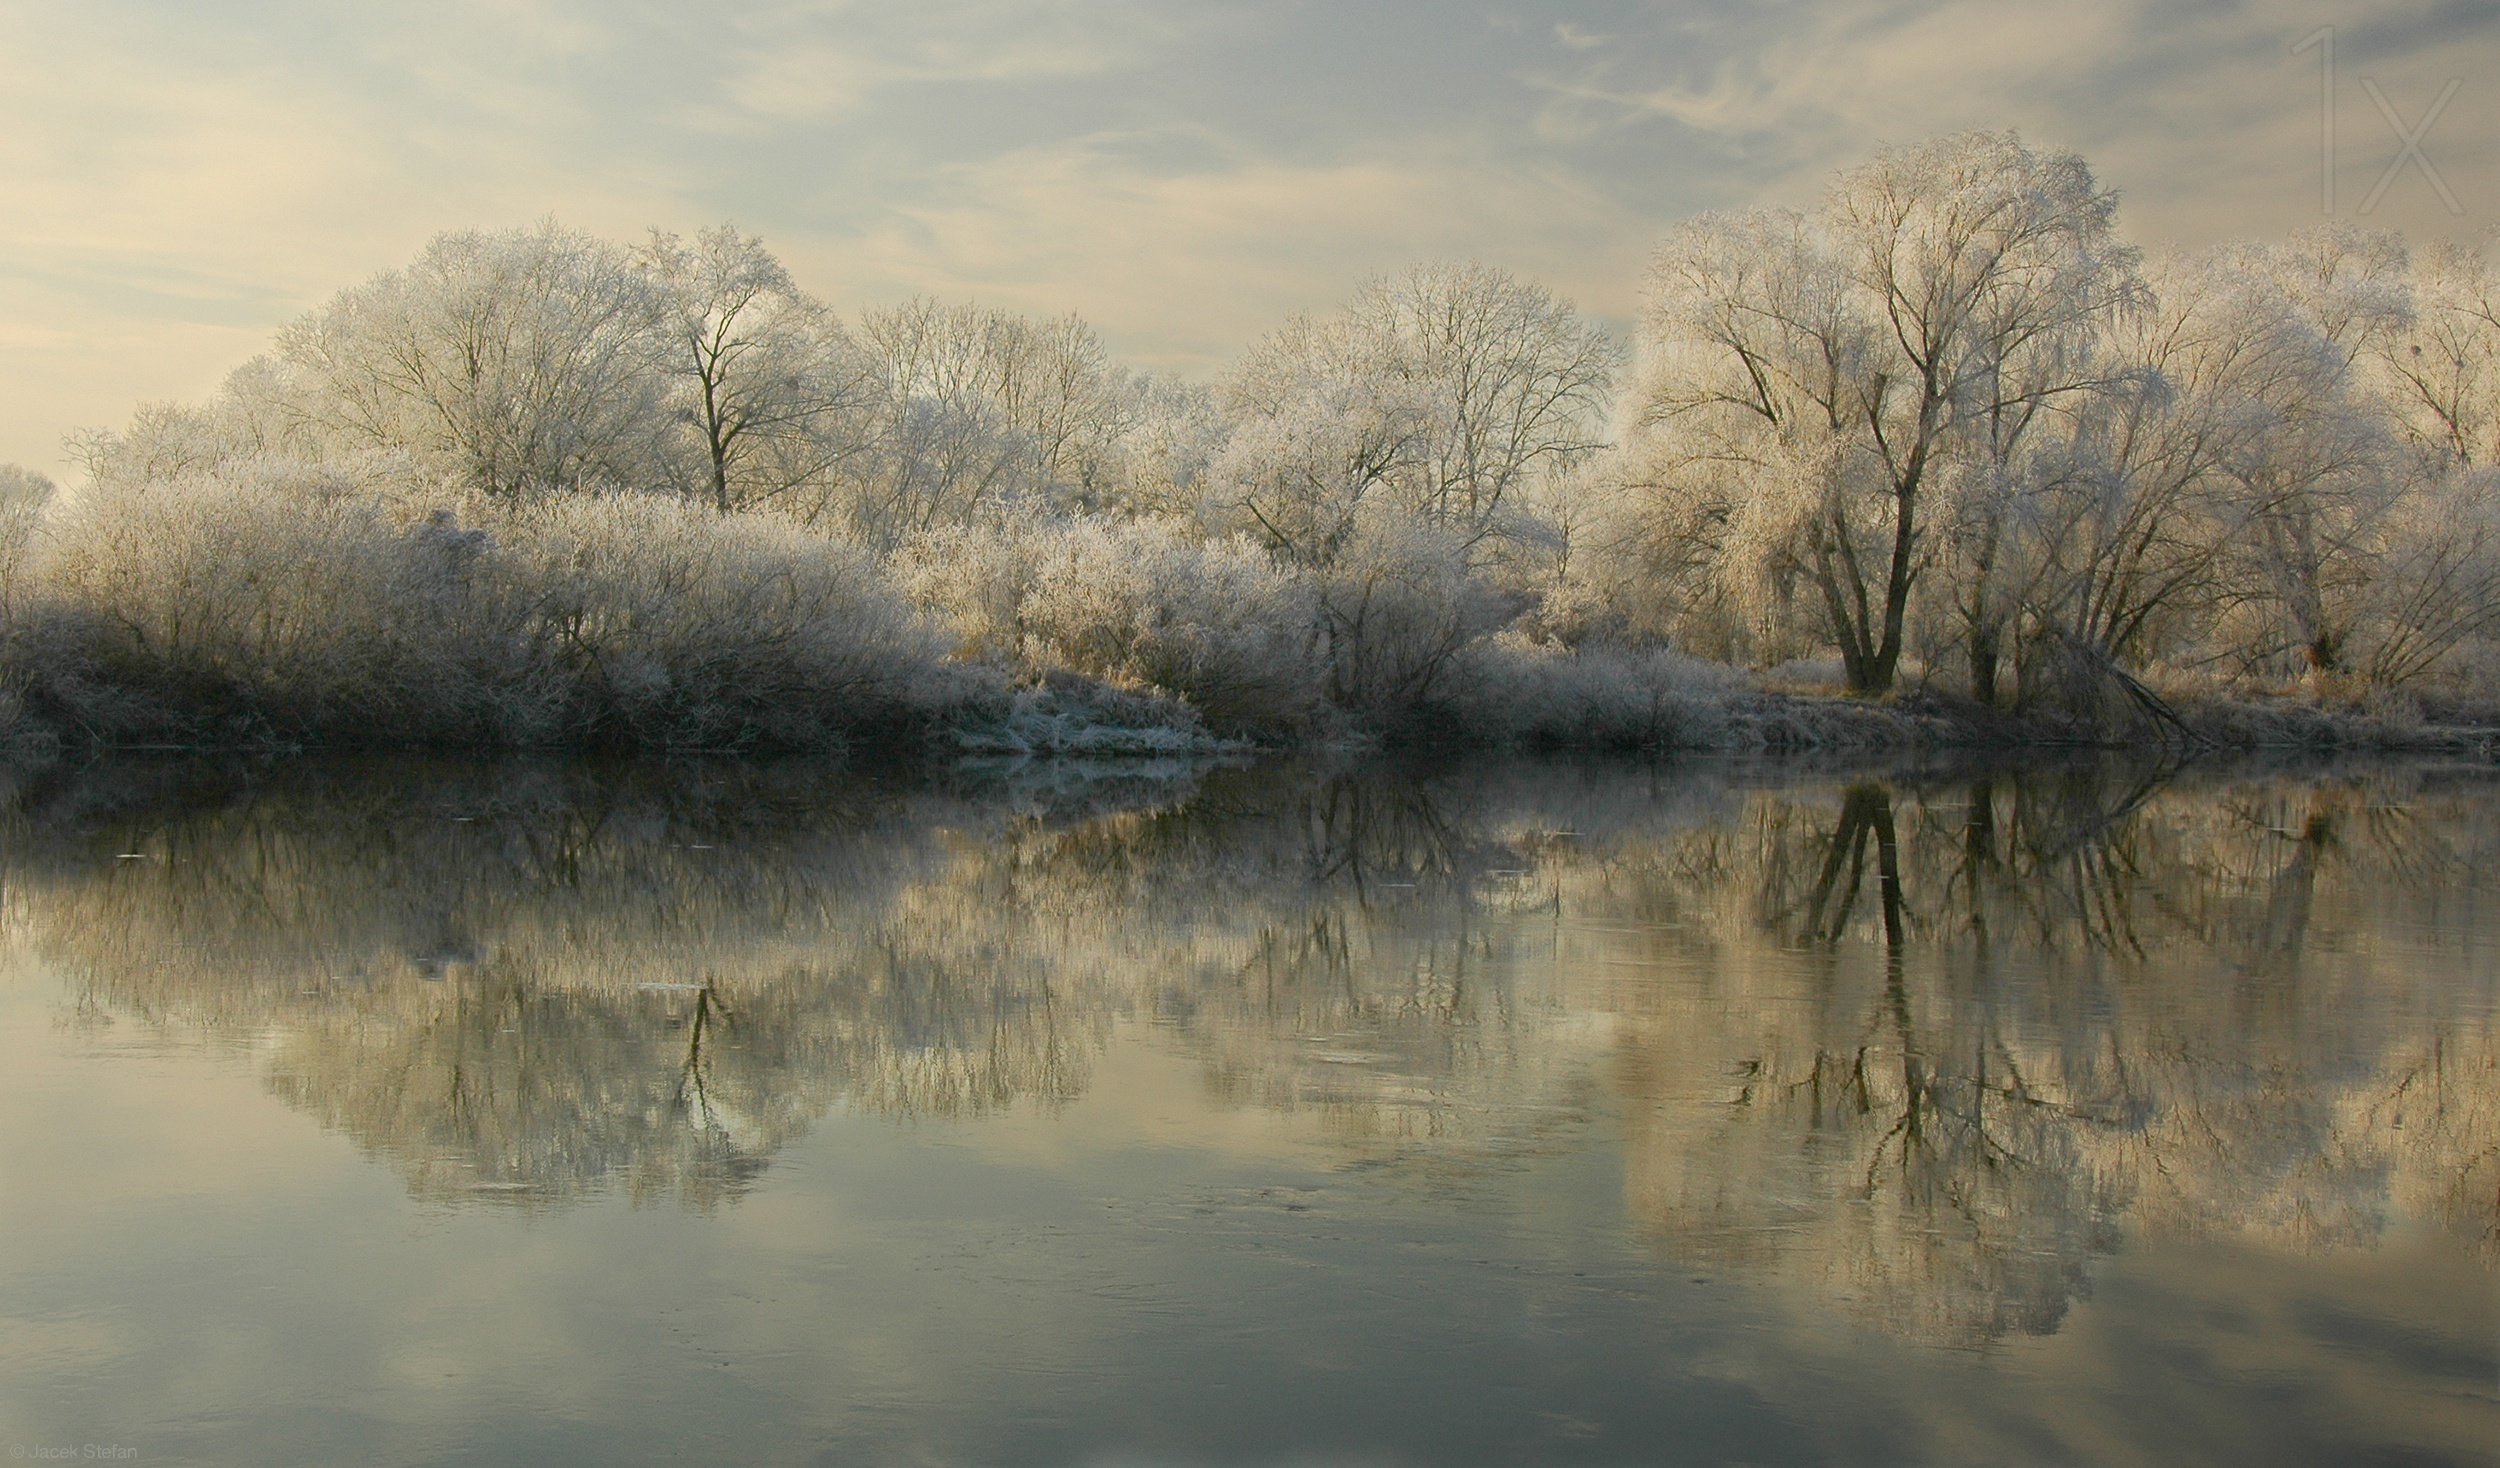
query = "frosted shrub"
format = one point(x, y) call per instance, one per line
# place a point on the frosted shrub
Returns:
point(1251, 642)
point(1136, 604)
point(1147, 604)
point(286, 603)
point(1518, 692)
point(281, 601)
point(971, 581)
point(677, 626)
point(1400, 603)
point(1064, 713)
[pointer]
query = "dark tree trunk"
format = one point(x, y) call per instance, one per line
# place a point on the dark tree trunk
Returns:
point(1983, 665)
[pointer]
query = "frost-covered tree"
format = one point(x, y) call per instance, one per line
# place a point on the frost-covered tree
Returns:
point(772, 388)
point(24, 496)
point(2434, 579)
point(1447, 390)
point(1839, 364)
point(2442, 365)
point(2434, 573)
point(1175, 434)
point(2240, 492)
point(2318, 474)
point(1514, 382)
point(979, 407)
point(520, 363)
point(2141, 497)
point(1387, 450)
point(1317, 440)
point(1741, 462)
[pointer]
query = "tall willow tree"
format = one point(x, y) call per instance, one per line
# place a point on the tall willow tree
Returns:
point(1811, 380)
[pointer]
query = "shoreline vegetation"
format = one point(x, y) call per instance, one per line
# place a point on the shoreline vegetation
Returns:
point(1941, 463)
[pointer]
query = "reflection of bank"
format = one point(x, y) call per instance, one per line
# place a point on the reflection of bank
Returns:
point(1924, 1050)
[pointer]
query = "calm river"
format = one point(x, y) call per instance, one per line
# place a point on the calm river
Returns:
point(1506, 1112)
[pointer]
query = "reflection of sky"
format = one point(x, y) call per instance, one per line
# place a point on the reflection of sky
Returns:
point(180, 179)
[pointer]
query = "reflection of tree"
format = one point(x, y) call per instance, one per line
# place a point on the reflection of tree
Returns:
point(495, 1086)
point(1920, 1045)
point(530, 982)
point(1886, 1140)
point(2069, 1001)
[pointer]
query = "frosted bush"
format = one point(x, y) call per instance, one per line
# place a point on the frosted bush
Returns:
point(971, 580)
point(1400, 604)
point(1138, 604)
point(1250, 641)
point(283, 601)
point(288, 603)
point(679, 626)
point(1519, 692)
point(1148, 604)
point(1065, 714)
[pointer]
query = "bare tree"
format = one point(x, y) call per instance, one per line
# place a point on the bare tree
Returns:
point(1317, 440)
point(2320, 473)
point(1447, 389)
point(773, 388)
point(2132, 522)
point(24, 496)
point(1753, 354)
point(2443, 365)
point(982, 407)
point(1943, 297)
point(522, 363)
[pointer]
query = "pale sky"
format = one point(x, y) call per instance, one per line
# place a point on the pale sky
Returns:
point(182, 178)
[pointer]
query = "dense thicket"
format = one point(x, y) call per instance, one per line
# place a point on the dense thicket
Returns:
point(1947, 428)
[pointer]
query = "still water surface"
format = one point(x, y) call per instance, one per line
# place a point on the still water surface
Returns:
point(1507, 1112)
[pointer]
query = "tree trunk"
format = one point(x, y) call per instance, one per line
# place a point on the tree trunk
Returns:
point(1983, 664)
point(1897, 588)
point(2320, 653)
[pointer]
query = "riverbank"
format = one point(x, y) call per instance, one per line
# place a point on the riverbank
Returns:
point(290, 612)
point(981, 713)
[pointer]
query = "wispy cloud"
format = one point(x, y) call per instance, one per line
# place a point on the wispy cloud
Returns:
point(2171, 100)
point(1182, 266)
point(806, 63)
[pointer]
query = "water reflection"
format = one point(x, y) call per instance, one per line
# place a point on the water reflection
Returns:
point(1920, 1046)
point(2065, 1004)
